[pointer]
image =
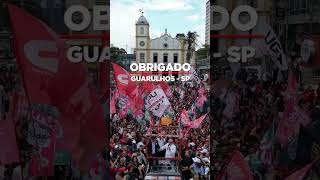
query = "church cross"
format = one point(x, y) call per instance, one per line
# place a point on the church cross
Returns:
point(141, 11)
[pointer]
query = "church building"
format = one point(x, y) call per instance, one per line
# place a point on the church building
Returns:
point(163, 49)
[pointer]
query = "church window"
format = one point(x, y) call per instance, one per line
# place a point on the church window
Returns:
point(165, 57)
point(142, 57)
point(175, 58)
point(141, 30)
point(155, 57)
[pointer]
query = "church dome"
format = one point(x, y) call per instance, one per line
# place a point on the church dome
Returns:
point(142, 20)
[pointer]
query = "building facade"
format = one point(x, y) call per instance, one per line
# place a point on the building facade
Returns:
point(163, 49)
point(264, 9)
point(294, 21)
point(207, 38)
point(126, 59)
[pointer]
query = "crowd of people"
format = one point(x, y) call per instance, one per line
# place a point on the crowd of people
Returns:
point(251, 128)
point(8, 82)
point(131, 146)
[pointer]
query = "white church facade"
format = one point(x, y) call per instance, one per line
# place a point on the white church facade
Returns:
point(163, 49)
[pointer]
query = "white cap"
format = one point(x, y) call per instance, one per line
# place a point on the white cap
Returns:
point(116, 147)
point(192, 144)
point(206, 160)
point(134, 141)
point(140, 144)
point(129, 136)
point(204, 151)
point(196, 160)
point(206, 170)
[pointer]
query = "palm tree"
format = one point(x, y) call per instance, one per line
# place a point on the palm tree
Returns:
point(191, 40)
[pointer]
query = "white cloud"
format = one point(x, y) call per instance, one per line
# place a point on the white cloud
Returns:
point(124, 14)
point(194, 17)
point(155, 34)
point(200, 29)
point(122, 25)
point(167, 5)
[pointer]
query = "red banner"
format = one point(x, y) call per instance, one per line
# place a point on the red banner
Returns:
point(51, 79)
point(123, 80)
point(300, 174)
point(289, 125)
point(9, 149)
point(237, 169)
point(196, 123)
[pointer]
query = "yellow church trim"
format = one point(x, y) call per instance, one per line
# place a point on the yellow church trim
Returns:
point(148, 48)
point(182, 43)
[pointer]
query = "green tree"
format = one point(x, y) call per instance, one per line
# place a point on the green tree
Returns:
point(191, 41)
point(203, 52)
point(115, 52)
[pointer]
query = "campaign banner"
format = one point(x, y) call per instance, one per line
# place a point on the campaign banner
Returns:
point(157, 102)
point(269, 45)
point(50, 78)
point(194, 75)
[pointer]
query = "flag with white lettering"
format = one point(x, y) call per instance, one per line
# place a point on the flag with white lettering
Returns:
point(269, 45)
point(50, 78)
point(194, 75)
point(123, 80)
point(157, 102)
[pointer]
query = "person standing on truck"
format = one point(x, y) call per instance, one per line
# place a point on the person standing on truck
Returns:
point(171, 150)
point(153, 147)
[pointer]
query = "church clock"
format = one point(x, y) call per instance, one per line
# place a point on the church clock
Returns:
point(142, 43)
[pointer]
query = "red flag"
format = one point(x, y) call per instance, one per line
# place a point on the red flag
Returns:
point(19, 106)
point(50, 78)
point(292, 84)
point(147, 86)
point(9, 149)
point(136, 100)
point(42, 164)
point(93, 134)
point(166, 88)
point(123, 80)
point(112, 105)
point(289, 125)
point(293, 115)
point(231, 105)
point(237, 169)
point(300, 174)
point(186, 132)
point(201, 90)
point(196, 123)
point(184, 118)
point(200, 100)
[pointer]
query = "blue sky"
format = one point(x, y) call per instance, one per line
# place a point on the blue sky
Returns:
point(178, 16)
